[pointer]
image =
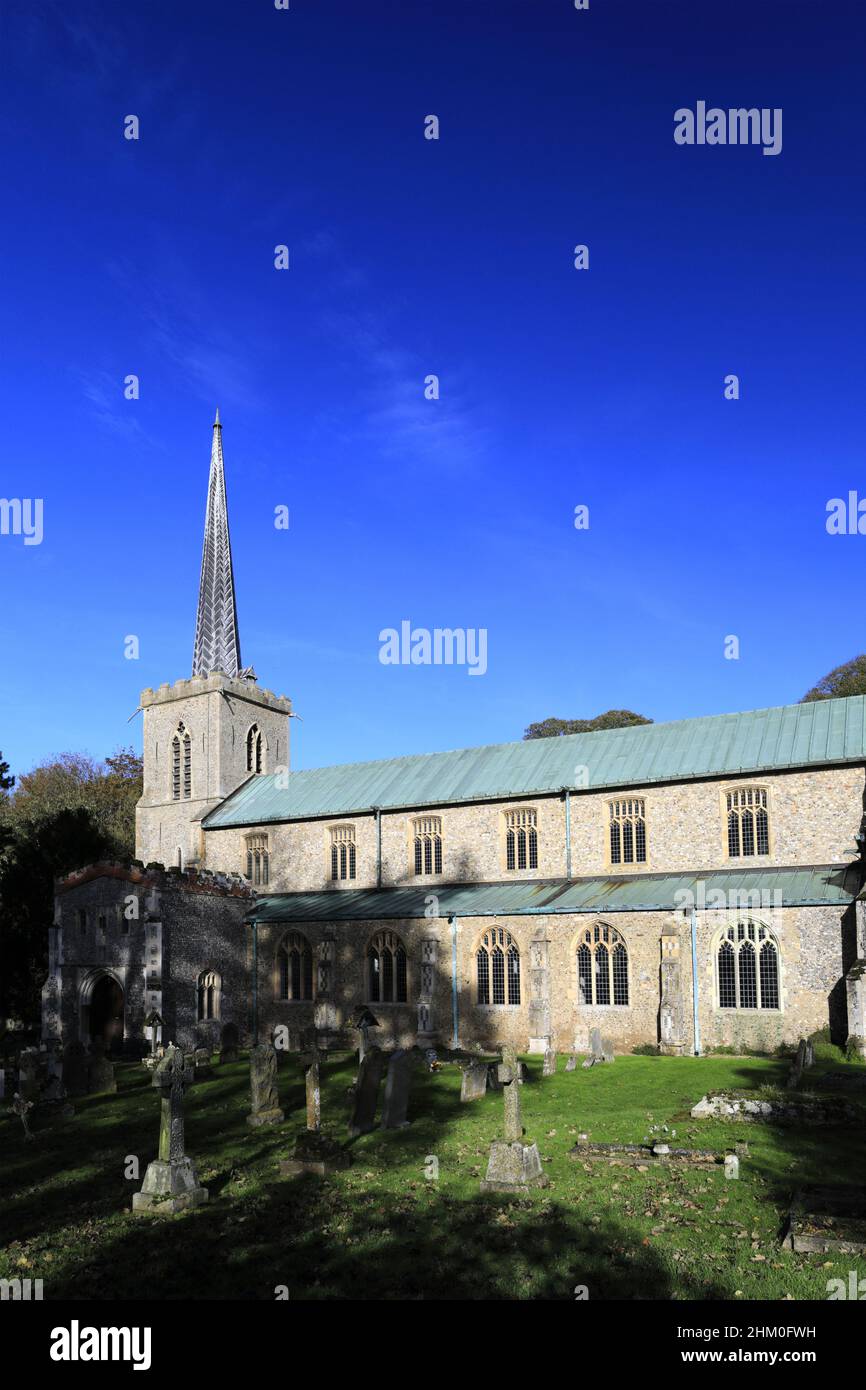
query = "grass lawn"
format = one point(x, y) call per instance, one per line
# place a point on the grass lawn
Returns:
point(382, 1229)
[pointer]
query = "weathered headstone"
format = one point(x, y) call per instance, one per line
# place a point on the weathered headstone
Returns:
point(732, 1166)
point(513, 1165)
point(20, 1107)
point(364, 1020)
point(795, 1076)
point(549, 1066)
point(171, 1182)
point(474, 1082)
point(263, 1087)
point(571, 1064)
point(229, 1040)
point(100, 1071)
point(396, 1099)
point(29, 1083)
point(314, 1152)
point(601, 1049)
point(202, 1061)
point(367, 1093)
point(75, 1068)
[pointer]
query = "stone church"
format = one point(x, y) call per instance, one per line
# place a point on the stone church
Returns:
point(683, 886)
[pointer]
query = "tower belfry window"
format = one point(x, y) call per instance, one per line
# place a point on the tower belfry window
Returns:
point(181, 765)
point(254, 749)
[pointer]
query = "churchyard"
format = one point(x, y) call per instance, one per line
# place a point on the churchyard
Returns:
point(408, 1218)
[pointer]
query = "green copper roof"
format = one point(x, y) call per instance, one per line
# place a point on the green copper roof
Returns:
point(832, 885)
point(721, 745)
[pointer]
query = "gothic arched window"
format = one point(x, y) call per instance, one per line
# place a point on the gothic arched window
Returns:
point(497, 968)
point(521, 840)
point(258, 859)
point(386, 969)
point(209, 990)
point(255, 745)
point(343, 855)
point(748, 824)
point(295, 968)
point(181, 764)
point(428, 845)
point(747, 968)
point(602, 968)
point(627, 831)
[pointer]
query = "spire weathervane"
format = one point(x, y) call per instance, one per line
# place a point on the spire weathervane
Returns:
point(217, 645)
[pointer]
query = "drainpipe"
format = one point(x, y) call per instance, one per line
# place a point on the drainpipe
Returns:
point(454, 922)
point(567, 832)
point(255, 926)
point(378, 814)
point(695, 1020)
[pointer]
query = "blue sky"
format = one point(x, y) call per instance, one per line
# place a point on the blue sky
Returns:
point(408, 257)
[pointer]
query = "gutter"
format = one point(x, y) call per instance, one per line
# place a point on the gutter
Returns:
point(567, 792)
point(377, 812)
point(255, 992)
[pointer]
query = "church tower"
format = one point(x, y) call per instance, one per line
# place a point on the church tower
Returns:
point(204, 736)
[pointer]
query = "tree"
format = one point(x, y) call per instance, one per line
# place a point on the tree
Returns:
point(611, 719)
point(6, 782)
point(842, 681)
point(65, 813)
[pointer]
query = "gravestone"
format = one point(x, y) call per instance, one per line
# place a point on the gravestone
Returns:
point(171, 1182)
point(364, 1020)
point(75, 1069)
point(20, 1107)
point(571, 1064)
point(549, 1066)
point(29, 1084)
point(367, 1093)
point(202, 1061)
point(601, 1049)
point(100, 1071)
point(229, 1049)
point(314, 1152)
point(795, 1076)
point(474, 1082)
point(513, 1165)
point(396, 1100)
point(263, 1087)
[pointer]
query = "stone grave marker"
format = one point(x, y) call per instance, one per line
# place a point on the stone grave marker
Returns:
point(21, 1107)
point(367, 1093)
point(513, 1165)
point(314, 1152)
point(29, 1084)
point(571, 1064)
point(364, 1020)
point(171, 1182)
point(202, 1063)
point(229, 1040)
point(549, 1065)
point(395, 1103)
point(75, 1069)
point(100, 1071)
point(263, 1087)
point(473, 1084)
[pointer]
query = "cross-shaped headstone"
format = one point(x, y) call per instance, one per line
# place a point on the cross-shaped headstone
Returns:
point(172, 1076)
point(311, 1059)
point(509, 1072)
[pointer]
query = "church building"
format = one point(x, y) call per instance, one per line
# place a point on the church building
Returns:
point(682, 887)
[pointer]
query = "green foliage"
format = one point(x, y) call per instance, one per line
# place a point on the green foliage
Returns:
point(6, 782)
point(842, 681)
point(62, 815)
point(611, 719)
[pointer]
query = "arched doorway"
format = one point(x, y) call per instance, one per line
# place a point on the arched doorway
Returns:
point(106, 1012)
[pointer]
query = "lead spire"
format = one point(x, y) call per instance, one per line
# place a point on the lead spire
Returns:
point(217, 645)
